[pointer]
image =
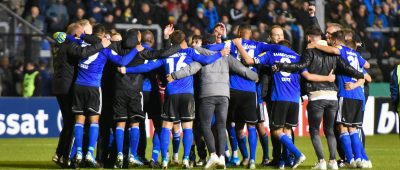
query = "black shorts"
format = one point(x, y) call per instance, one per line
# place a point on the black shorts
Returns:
point(179, 107)
point(350, 112)
point(127, 105)
point(261, 112)
point(242, 107)
point(152, 105)
point(284, 114)
point(86, 100)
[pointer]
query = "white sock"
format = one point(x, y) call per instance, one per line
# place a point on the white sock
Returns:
point(235, 154)
point(175, 156)
point(227, 154)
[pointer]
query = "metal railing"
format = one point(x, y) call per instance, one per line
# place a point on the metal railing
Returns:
point(21, 39)
point(153, 27)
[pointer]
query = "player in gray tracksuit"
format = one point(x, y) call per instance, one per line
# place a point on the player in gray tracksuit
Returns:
point(214, 97)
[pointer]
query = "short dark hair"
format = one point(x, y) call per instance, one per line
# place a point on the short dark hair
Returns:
point(209, 39)
point(314, 30)
point(177, 37)
point(244, 27)
point(148, 36)
point(338, 35)
point(285, 43)
point(99, 29)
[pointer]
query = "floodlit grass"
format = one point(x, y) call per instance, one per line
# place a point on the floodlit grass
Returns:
point(36, 153)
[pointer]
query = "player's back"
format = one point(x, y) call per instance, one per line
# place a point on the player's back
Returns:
point(90, 69)
point(286, 85)
point(354, 59)
point(174, 63)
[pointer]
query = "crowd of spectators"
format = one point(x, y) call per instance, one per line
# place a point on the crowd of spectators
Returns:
point(196, 17)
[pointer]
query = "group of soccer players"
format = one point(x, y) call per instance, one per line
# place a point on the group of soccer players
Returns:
point(214, 88)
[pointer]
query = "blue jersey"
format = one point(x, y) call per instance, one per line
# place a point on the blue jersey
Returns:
point(146, 82)
point(357, 62)
point(90, 69)
point(238, 82)
point(286, 86)
point(253, 48)
point(174, 63)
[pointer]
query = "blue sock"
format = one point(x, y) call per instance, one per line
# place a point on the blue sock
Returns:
point(346, 145)
point(156, 145)
point(243, 147)
point(213, 120)
point(364, 155)
point(93, 135)
point(356, 145)
point(226, 147)
point(187, 142)
point(73, 151)
point(176, 142)
point(252, 142)
point(164, 137)
point(119, 135)
point(264, 145)
point(111, 139)
point(232, 139)
point(78, 135)
point(134, 136)
point(285, 140)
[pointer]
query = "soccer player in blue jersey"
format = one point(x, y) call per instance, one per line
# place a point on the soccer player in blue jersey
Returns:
point(179, 104)
point(285, 96)
point(243, 104)
point(87, 95)
point(351, 99)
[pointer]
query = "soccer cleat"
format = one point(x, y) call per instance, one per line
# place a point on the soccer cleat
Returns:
point(321, 164)
point(281, 164)
point(154, 164)
point(369, 163)
point(175, 160)
point(201, 162)
point(120, 161)
point(264, 162)
point(364, 164)
point(352, 164)
point(273, 163)
point(164, 164)
point(212, 162)
point(133, 161)
point(245, 162)
point(235, 161)
point(90, 160)
point(299, 161)
point(56, 159)
point(252, 164)
point(341, 163)
point(77, 160)
point(358, 162)
point(221, 163)
point(290, 160)
point(185, 164)
point(144, 160)
point(332, 164)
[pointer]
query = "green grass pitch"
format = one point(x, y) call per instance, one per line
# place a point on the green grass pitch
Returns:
point(36, 153)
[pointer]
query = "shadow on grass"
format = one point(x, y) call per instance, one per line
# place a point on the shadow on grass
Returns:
point(28, 165)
